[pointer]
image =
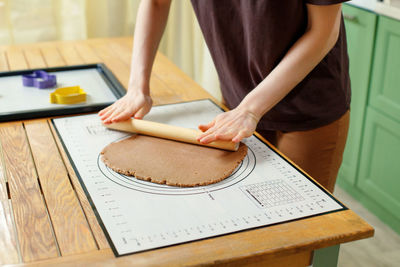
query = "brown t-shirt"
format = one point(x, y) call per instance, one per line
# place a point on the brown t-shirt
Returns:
point(248, 38)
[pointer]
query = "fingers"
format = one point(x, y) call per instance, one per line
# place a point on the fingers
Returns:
point(121, 116)
point(106, 116)
point(214, 136)
point(112, 115)
point(239, 137)
point(104, 110)
point(125, 114)
point(227, 130)
point(135, 103)
point(117, 114)
point(208, 135)
point(215, 133)
point(218, 129)
point(208, 139)
point(205, 127)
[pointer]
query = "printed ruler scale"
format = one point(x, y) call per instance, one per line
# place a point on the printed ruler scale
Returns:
point(138, 215)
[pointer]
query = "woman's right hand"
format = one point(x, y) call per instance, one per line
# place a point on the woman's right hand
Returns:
point(133, 103)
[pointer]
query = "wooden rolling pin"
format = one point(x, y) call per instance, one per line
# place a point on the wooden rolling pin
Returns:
point(168, 132)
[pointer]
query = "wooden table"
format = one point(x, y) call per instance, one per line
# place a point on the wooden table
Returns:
point(46, 218)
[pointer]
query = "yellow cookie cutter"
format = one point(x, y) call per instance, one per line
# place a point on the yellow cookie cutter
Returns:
point(68, 95)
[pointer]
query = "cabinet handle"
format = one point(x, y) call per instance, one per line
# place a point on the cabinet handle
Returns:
point(350, 18)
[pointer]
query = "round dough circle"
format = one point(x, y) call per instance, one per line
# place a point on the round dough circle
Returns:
point(169, 162)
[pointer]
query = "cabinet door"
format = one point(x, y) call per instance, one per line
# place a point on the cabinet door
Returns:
point(385, 83)
point(379, 175)
point(360, 32)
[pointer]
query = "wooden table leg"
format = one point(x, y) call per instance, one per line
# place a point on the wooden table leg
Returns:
point(326, 257)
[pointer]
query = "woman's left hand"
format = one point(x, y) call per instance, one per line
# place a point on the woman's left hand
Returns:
point(232, 126)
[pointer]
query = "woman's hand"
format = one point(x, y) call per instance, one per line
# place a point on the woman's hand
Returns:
point(133, 103)
point(233, 126)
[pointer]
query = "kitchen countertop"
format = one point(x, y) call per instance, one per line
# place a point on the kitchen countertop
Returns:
point(387, 8)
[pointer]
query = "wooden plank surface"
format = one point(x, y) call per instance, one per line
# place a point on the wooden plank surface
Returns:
point(51, 55)
point(16, 59)
point(3, 61)
point(108, 57)
point(86, 53)
point(34, 229)
point(8, 238)
point(70, 226)
point(105, 258)
point(69, 53)
point(34, 57)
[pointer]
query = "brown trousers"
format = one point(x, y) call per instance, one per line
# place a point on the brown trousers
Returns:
point(318, 152)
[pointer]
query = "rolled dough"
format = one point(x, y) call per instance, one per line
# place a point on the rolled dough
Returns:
point(169, 162)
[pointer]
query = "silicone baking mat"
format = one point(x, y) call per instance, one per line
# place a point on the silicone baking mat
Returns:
point(138, 215)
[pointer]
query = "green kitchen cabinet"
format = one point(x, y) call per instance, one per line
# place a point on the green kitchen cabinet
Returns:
point(371, 163)
point(385, 83)
point(379, 175)
point(360, 33)
point(379, 171)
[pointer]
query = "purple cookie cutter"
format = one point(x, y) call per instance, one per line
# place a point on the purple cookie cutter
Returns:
point(40, 79)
